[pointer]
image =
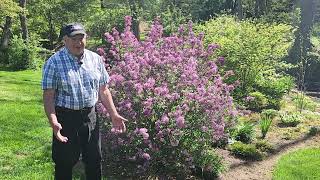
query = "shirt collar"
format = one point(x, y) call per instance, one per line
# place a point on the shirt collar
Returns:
point(66, 50)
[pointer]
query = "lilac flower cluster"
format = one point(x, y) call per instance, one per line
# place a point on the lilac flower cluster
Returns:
point(169, 88)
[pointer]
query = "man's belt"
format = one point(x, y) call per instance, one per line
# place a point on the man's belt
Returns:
point(63, 109)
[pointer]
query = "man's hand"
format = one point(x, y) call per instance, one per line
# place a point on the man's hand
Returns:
point(56, 127)
point(48, 101)
point(117, 120)
point(118, 124)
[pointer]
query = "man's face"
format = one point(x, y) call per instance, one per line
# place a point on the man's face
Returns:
point(75, 44)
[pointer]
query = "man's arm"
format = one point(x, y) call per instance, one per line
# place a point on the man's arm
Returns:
point(48, 101)
point(107, 101)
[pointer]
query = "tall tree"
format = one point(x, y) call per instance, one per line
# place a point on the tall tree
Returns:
point(302, 45)
point(8, 9)
point(23, 20)
point(239, 9)
point(134, 6)
point(260, 7)
point(6, 33)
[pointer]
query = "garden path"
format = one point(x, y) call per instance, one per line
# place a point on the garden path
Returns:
point(262, 170)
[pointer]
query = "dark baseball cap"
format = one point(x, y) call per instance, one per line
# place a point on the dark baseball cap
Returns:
point(72, 29)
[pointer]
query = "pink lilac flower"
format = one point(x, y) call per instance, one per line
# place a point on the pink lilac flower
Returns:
point(180, 122)
point(146, 156)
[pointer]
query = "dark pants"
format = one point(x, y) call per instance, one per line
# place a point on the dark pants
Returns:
point(82, 130)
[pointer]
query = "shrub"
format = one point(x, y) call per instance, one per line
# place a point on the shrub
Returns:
point(289, 119)
point(264, 146)
point(253, 50)
point(302, 102)
point(274, 88)
point(177, 102)
point(246, 151)
point(243, 132)
point(210, 163)
point(171, 18)
point(23, 55)
point(258, 101)
point(314, 130)
point(269, 113)
point(104, 20)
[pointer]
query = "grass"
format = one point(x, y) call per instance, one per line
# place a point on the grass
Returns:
point(298, 165)
point(25, 135)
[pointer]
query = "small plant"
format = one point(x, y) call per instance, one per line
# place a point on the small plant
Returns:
point(289, 120)
point(246, 151)
point(264, 146)
point(302, 102)
point(265, 124)
point(288, 134)
point(314, 130)
point(209, 164)
point(266, 120)
point(257, 102)
point(270, 113)
point(243, 132)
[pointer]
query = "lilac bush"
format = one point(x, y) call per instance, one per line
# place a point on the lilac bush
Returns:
point(176, 102)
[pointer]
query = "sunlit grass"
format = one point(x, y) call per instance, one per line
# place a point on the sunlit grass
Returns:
point(302, 164)
point(25, 135)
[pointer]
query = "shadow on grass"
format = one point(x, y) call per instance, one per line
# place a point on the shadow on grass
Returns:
point(22, 82)
point(25, 102)
point(278, 149)
point(4, 68)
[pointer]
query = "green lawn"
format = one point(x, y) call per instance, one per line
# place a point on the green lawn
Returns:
point(25, 136)
point(300, 165)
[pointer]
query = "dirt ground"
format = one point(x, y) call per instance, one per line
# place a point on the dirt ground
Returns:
point(262, 170)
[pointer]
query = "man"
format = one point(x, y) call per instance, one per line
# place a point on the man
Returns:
point(73, 80)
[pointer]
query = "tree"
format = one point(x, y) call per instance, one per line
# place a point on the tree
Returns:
point(51, 15)
point(239, 9)
point(6, 34)
point(23, 20)
point(260, 7)
point(134, 5)
point(8, 9)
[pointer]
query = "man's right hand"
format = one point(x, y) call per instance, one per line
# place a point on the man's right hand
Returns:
point(48, 101)
point(56, 131)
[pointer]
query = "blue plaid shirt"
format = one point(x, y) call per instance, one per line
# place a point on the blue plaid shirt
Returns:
point(77, 85)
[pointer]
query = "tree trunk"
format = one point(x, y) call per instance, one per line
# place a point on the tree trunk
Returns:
point(23, 21)
point(268, 5)
point(5, 38)
point(135, 21)
point(263, 8)
point(317, 12)
point(257, 8)
point(51, 31)
point(6, 34)
point(307, 13)
point(239, 9)
point(229, 6)
point(260, 7)
point(302, 44)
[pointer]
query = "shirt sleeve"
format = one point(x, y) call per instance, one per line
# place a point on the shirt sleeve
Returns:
point(49, 77)
point(104, 79)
